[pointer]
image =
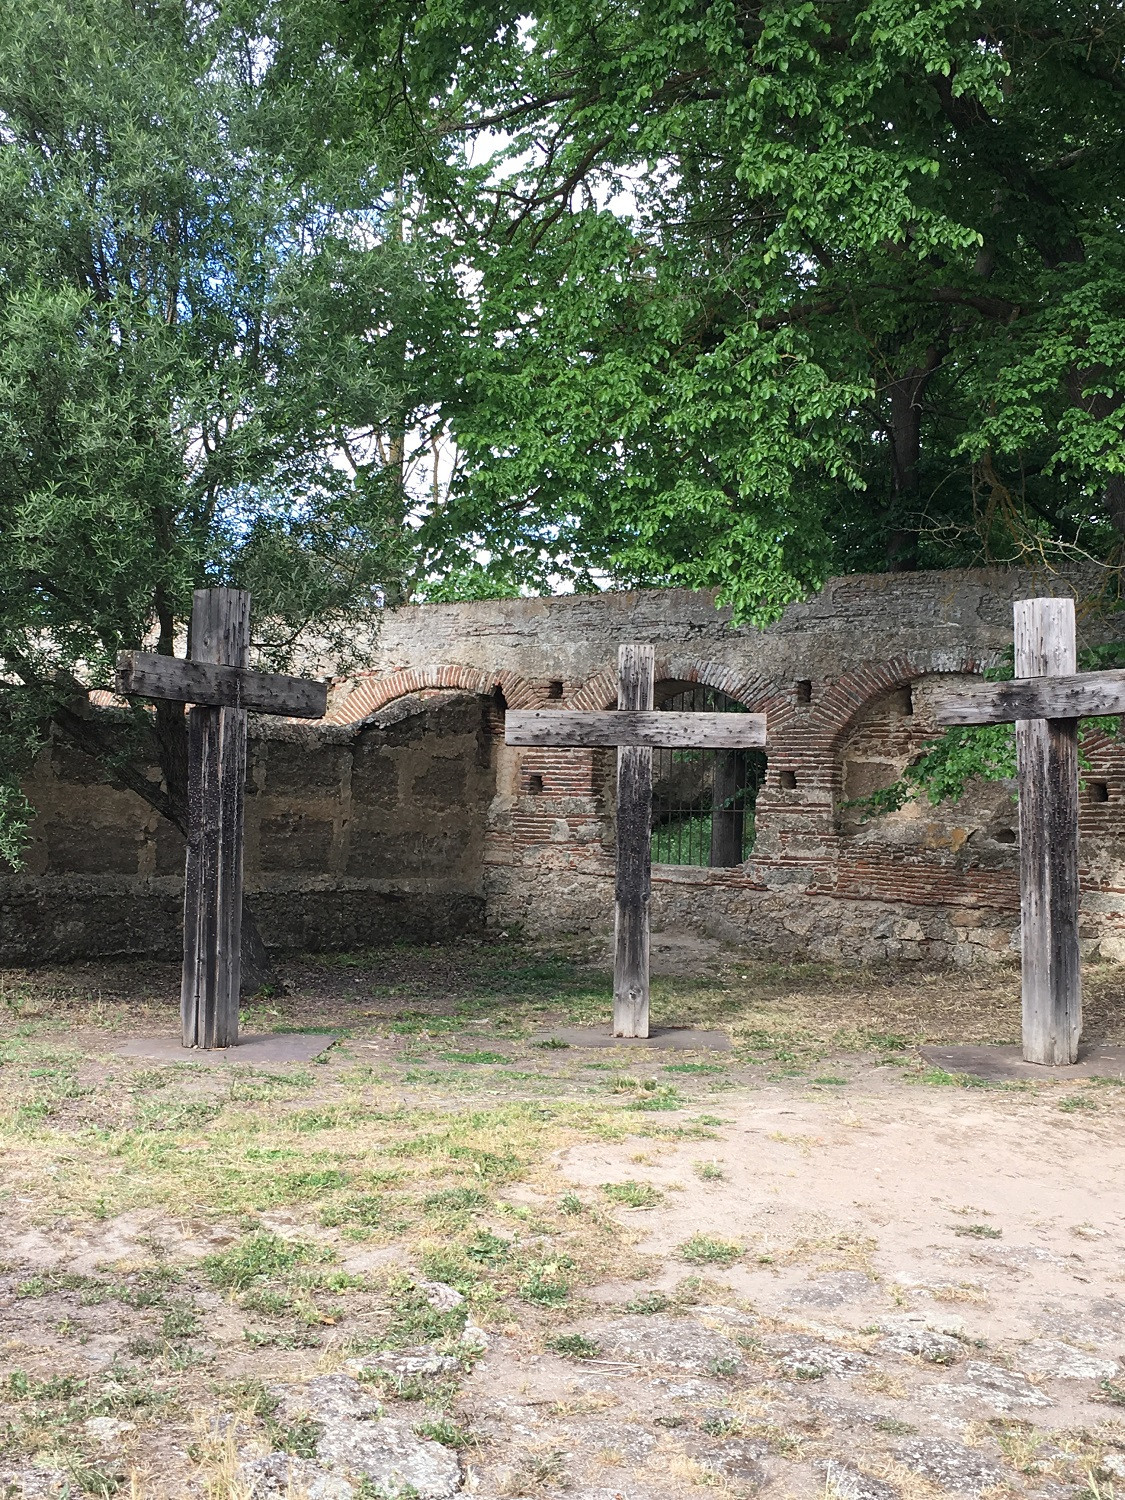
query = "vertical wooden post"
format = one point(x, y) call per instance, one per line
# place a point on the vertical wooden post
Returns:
point(220, 633)
point(636, 667)
point(1047, 755)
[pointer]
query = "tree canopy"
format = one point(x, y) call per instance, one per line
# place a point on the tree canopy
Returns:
point(195, 264)
point(758, 292)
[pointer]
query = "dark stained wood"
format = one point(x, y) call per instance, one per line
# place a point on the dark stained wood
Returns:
point(143, 674)
point(1047, 757)
point(1082, 696)
point(636, 728)
point(220, 634)
point(635, 679)
point(727, 813)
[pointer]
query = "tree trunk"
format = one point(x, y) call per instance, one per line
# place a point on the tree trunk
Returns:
point(905, 433)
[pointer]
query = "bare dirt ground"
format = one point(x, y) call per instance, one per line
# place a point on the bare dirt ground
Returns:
point(450, 1258)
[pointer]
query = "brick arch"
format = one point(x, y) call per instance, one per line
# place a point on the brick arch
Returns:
point(748, 688)
point(370, 692)
point(835, 716)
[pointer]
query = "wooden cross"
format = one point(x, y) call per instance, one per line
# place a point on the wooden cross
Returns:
point(635, 729)
point(217, 682)
point(1045, 700)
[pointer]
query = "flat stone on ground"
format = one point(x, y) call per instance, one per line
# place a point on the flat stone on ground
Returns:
point(676, 1038)
point(273, 1047)
point(833, 1289)
point(328, 1398)
point(681, 1343)
point(1098, 1060)
point(850, 1483)
point(283, 1475)
point(949, 1464)
point(388, 1453)
point(1063, 1362)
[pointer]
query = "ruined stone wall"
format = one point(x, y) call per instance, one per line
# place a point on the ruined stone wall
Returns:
point(353, 837)
point(405, 815)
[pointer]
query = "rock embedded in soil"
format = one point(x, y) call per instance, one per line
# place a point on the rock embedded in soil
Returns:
point(923, 1343)
point(328, 1398)
point(281, 1474)
point(388, 1453)
point(993, 1386)
point(834, 1289)
point(951, 1465)
point(850, 1483)
point(678, 1343)
point(1063, 1362)
point(803, 1359)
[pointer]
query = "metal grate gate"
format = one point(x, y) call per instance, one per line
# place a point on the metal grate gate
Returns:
point(703, 800)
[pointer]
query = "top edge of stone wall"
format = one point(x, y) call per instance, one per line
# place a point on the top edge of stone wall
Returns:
point(856, 617)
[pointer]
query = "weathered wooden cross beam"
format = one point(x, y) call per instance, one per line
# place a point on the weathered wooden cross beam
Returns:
point(217, 682)
point(634, 729)
point(1045, 701)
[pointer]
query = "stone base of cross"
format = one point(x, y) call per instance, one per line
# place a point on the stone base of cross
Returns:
point(1045, 700)
point(635, 729)
point(217, 682)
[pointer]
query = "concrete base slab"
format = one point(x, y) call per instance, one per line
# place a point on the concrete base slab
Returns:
point(1095, 1060)
point(675, 1038)
point(272, 1048)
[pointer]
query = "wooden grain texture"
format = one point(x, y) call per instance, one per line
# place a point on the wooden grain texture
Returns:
point(1047, 758)
point(1085, 695)
point(635, 679)
point(143, 674)
point(220, 634)
point(651, 728)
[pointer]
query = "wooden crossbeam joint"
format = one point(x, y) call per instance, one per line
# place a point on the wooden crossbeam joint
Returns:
point(651, 728)
point(1082, 695)
point(144, 674)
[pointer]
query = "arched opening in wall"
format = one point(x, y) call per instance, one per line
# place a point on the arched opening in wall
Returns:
point(703, 800)
point(886, 736)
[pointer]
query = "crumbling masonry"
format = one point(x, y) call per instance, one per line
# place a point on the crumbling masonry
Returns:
point(405, 816)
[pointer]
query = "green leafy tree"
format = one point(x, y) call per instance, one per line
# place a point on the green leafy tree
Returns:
point(763, 291)
point(197, 265)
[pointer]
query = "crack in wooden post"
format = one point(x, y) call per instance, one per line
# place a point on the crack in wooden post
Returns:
point(1047, 758)
point(220, 633)
point(636, 672)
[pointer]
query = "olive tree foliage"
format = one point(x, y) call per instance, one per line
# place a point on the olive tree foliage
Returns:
point(197, 268)
point(762, 291)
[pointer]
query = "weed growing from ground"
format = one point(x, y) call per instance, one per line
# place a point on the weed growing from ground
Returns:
point(704, 1250)
point(633, 1194)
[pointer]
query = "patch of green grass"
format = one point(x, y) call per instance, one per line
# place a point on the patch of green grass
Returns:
point(553, 1044)
point(721, 1426)
point(298, 1437)
point(651, 1302)
point(633, 1194)
point(455, 1200)
point(574, 1345)
point(571, 1203)
point(705, 1250)
point(1074, 1102)
point(1111, 1391)
point(655, 1096)
point(473, 1057)
point(262, 1256)
point(490, 1249)
point(312, 1183)
point(894, 1428)
point(977, 1231)
point(829, 1079)
point(364, 1210)
point(546, 1286)
point(708, 1171)
point(414, 1321)
point(694, 1068)
point(444, 1431)
point(939, 1078)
